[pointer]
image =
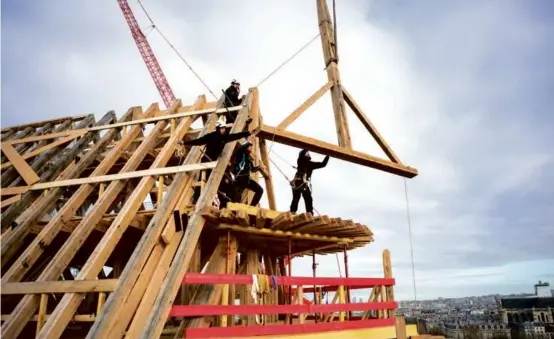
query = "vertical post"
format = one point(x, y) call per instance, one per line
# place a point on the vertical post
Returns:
point(225, 290)
point(330, 57)
point(341, 301)
point(387, 269)
point(347, 275)
point(264, 155)
point(314, 267)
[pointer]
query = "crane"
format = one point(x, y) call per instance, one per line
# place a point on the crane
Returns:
point(147, 54)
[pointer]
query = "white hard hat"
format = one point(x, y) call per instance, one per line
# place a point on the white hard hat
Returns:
point(220, 123)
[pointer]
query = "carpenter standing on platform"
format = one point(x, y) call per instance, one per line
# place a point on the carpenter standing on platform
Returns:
point(232, 99)
point(243, 167)
point(301, 184)
point(215, 142)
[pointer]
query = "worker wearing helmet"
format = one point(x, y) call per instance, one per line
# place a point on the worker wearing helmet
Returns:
point(232, 99)
point(243, 167)
point(301, 184)
point(215, 142)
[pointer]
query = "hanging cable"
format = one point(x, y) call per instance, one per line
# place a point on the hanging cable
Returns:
point(288, 60)
point(410, 232)
point(175, 50)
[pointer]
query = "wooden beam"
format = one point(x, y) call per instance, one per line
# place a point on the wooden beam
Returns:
point(167, 117)
point(115, 304)
point(46, 136)
point(283, 234)
point(152, 172)
point(314, 145)
point(264, 155)
point(66, 286)
point(302, 108)
point(48, 147)
point(370, 127)
point(20, 164)
point(330, 56)
point(40, 123)
point(70, 302)
point(9, 201)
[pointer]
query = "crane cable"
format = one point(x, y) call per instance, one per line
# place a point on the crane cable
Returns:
point(410, 233)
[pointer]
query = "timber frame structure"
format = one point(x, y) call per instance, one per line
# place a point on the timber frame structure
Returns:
point(100, 238)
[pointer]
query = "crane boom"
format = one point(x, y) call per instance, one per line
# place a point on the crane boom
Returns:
point(147, 54)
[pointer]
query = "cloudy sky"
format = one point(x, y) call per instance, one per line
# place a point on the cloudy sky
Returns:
point(462, 90)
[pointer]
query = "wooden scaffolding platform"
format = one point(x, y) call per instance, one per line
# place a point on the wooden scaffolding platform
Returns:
point(100, 238)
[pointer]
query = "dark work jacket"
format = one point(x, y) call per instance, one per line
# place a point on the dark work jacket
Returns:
point(306, 166)
point(231, 100)
point(215, 142)
point(243, 162)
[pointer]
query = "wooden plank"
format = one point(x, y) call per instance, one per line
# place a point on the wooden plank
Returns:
point(314, 145)
point(78, 318)
point(331, 58)
point(69, 303)
point(151, 292)
point(125, 175)
point(13, 190)
point(46, 203)
point(20, 164)
point(9, 201)
point(46, 136)
point(305, 105)
point(166, 117)
point(370, 127)
point(66, 286)
point(40, 123)
point(47, 147)
point(116, 301)
point(283, 234)
point(270, 191)
point(252, 210)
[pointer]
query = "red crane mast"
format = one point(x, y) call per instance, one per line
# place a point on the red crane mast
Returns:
point(147, 54)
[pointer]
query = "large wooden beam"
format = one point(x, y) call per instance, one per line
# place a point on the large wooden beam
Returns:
point(370, 127)
point(314, 145)
point(68, 305)
point(331, 59)
point(305, 105)
point(168, 291)
point(39, 287)
point(116, 301)
point(152, 172)
point(20, 164)
point(53, 121)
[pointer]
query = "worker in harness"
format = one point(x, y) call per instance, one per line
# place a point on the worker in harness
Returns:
point(243, 167)
point(232, 99)
point(226, 192)
point(215, 142)
point(301, 183)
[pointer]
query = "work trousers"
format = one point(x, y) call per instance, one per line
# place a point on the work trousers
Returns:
point(245, 182)
point(301, 188)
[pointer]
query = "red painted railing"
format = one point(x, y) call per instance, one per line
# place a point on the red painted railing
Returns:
point(323, 283)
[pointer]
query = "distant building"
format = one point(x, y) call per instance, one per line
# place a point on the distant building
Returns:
point(542, 290)
point(483, 330)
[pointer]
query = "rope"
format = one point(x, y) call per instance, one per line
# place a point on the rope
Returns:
point(175, 50)
point(410, 232)
point(288, 60)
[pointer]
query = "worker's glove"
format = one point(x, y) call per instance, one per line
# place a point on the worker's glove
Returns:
point(248, 121)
